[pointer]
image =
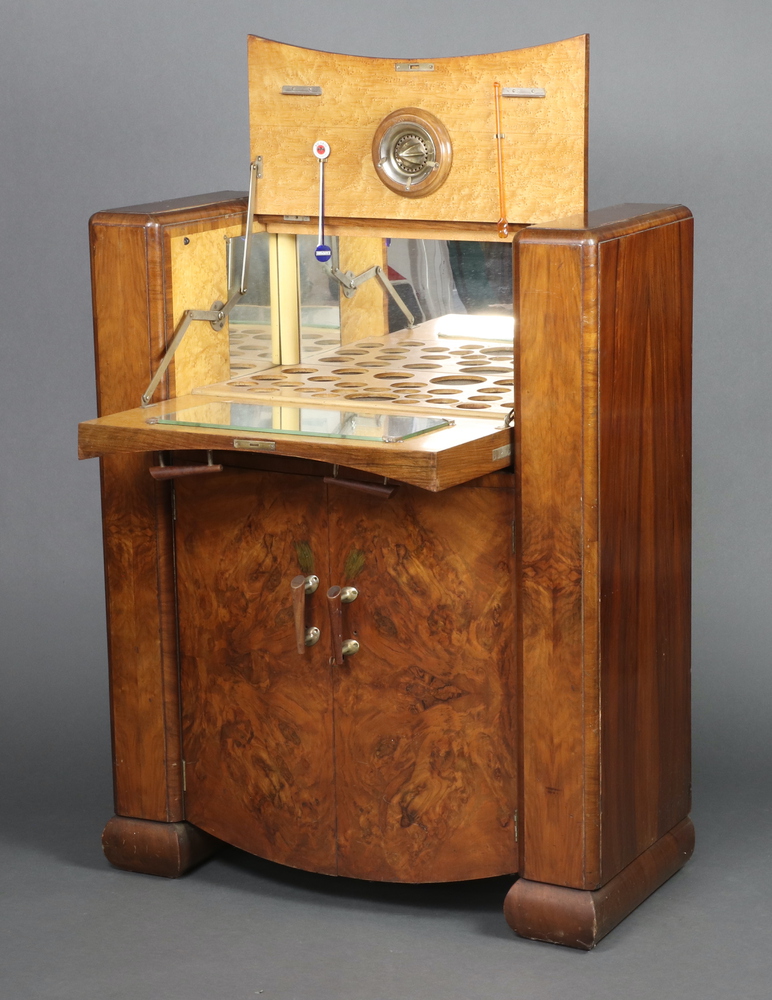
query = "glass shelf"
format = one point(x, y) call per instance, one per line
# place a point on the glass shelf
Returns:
point(303, 420)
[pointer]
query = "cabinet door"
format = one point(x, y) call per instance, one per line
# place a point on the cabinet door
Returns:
point(256, 714)
point(424, 711)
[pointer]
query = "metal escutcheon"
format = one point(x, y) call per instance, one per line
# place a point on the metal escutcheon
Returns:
point(312, 636)
point(348, 594)
point(350, 646)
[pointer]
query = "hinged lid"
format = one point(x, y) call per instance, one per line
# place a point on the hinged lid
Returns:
point(544, 144)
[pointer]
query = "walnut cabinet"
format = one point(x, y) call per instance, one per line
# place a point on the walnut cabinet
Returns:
point(509, 569)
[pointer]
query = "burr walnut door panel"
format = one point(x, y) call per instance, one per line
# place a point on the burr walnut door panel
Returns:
point(256, 714)
point(424, 711)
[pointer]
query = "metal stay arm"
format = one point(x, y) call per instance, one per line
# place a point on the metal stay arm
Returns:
point(351, 282)
point(218, 313)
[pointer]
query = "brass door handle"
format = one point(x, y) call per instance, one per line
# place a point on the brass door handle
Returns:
point(336, 598)
point(302, 585)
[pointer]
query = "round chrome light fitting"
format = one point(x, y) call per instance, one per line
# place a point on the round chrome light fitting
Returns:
point(412, 152)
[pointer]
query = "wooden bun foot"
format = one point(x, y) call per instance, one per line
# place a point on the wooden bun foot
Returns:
point(168, 849)
point(579, 918)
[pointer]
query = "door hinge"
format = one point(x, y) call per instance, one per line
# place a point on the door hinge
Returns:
point(185, 781)
point(513, 536)
point(174, 503)
point(516, 829)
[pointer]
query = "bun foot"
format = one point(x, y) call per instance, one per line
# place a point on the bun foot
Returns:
point(579, 918)
point(168, 849)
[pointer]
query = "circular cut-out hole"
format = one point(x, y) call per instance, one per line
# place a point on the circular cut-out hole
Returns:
point(436, 350)
point(370, 398)
point(433, 400)
point(456, 380)
point(321, 378)
point(350, 352)
point(496, 350)
point(504, 381)
point(410, 401)
point(347, 371)
point(412, 343)
point(299, 371)
point(391, 375)
point(486, 398)
point(394, 350)
point(444, 392)
point(486, 370)
point(473, 406)
point(350, 385)
point(267, 378)
point(408, 385)
point(372, 364)
point(422, 365)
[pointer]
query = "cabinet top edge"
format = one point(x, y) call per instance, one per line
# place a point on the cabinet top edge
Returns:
point(214, 202)
point(604, 223)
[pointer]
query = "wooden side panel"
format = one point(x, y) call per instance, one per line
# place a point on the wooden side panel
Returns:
point(549, 442)
point(544, 145)
point(123, 312)
point(424, 712)
point(603, 458)
point(129, 300)
point(198, 279)
point(128, 311)
point(366, 314)
point(256, 714)
point(141, 640)
point(645, 495)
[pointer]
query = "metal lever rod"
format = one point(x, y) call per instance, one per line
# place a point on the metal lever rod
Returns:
point(321, 149)
point(300, 586)
point(218, 313)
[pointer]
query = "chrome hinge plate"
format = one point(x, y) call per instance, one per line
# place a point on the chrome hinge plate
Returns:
point(523, 92)
point(414, 67)
point(294, 90)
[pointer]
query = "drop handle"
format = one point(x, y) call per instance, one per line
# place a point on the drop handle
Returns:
point(336, 598)
point(300, 586)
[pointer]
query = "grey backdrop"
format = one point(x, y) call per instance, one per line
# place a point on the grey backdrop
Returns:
point(104, 104)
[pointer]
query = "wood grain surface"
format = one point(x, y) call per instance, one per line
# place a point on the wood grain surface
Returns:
point(645, 543)
point(167, 849)
point(602, 435)
point(544, 145)
point(199, 278)
point(424, 712)
point(580, 918)
point(256, 714)
point(129, 264)
point(366, 315)
point(436, 461)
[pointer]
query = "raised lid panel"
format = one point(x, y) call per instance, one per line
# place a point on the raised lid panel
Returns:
point(544, 145)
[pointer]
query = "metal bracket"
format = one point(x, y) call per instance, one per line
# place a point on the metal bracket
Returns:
point(350, 282)
point(217, 315)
